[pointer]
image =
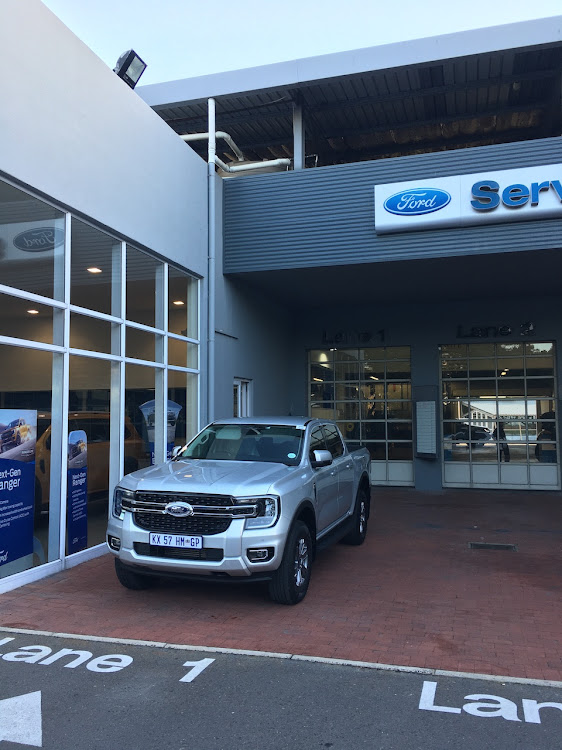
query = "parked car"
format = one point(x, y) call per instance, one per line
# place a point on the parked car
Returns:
point(473, 434)
point(246, 499)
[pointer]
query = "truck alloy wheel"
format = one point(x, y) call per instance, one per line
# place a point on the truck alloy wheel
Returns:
point(290, 582)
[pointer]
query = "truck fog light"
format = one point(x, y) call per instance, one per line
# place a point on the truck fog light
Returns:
point(260, 554)
point(114, 543)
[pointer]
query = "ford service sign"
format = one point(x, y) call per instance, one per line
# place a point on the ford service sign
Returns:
point(508, 195)
point(417, 202)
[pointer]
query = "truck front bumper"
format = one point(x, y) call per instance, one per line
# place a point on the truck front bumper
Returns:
point(223, 555)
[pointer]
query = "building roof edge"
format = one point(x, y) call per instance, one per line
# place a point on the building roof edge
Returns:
point(540, 31)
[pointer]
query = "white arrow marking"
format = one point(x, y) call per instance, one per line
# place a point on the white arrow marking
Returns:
point(20, 719)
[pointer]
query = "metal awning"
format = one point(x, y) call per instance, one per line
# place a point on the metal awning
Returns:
point(484, 87)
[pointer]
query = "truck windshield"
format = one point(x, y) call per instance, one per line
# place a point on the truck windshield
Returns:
point(247, 442)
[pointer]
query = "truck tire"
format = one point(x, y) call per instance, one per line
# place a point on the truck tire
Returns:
point(360, 515)
point(129, 578)
point(290, 581)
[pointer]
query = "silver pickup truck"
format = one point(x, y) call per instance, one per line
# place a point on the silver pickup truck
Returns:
point(246, 499)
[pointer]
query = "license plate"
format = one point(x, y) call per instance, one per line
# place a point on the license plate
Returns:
point(176, 540)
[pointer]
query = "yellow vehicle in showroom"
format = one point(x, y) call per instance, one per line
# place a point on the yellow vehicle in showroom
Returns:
point(97, 445)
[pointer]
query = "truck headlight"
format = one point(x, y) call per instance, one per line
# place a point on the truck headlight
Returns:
point(268, 512)
point(119, 494)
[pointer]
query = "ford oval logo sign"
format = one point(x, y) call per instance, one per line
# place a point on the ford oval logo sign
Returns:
point(179, 510)
point(417, 201)
point(39, 240)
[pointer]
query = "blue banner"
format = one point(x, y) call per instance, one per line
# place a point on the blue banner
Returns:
point(18, 432)
point(77, 492)
point(148, 410)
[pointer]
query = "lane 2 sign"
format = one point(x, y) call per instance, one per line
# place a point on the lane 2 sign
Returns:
point(472, 199)
point(487, 706)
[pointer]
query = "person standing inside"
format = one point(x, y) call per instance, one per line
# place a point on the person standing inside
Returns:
point(545, 449)
point(499, 435)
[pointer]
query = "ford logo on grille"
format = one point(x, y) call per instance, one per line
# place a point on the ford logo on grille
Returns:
point(179, 510)
point(417, 201)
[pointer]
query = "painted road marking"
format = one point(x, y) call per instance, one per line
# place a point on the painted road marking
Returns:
point(21, 721)
point(196, 668)
point(72, 658)
point(486, 705)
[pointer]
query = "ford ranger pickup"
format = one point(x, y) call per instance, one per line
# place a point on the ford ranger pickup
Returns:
point(247, 499)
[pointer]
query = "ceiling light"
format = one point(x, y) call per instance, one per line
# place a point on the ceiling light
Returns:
point(33, 312)
point(94, 269)
point(318, 380)
point(373, 377)
point(178, 302)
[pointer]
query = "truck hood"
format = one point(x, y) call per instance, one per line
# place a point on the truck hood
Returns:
point(236, 478)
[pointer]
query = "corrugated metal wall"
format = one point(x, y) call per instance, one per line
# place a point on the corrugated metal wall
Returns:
point(325, 216)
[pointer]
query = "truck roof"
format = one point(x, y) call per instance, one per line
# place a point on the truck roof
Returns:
point(301, 422)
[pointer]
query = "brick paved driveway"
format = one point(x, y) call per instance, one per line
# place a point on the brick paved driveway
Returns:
point(414, 594)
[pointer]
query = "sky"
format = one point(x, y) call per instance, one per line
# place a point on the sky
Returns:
point(187, 38)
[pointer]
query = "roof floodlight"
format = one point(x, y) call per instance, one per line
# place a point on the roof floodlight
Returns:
point(130, 67)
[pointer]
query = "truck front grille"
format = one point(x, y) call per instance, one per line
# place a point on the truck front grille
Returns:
point(199, 525)
point(161, 499)
point(212, 554)
point(211, 514)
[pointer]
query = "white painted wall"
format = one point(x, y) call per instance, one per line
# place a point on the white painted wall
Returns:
point(70, 128)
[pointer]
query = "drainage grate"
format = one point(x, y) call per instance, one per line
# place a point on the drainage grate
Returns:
point(487, 545)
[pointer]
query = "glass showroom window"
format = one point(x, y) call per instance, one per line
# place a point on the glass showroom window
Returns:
point(162, 334)
point(89, 454)
point(32, 235)
point(145, 290)
point(133, 379)
point(29, 522)
point(140, 417)
point(183, 356)
point(368, 393)
point(499, 414)
point(32, 243)
point(95, 270)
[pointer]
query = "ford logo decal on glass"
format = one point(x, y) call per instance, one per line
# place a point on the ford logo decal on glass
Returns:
point(39, 240)
point(179, 510)
point(417, 201)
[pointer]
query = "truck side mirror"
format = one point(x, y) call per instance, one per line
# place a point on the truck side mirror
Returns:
point(177, 450)
point(320, 459)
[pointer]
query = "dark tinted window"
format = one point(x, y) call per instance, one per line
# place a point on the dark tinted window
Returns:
point(333, 440)
point(317, 442)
